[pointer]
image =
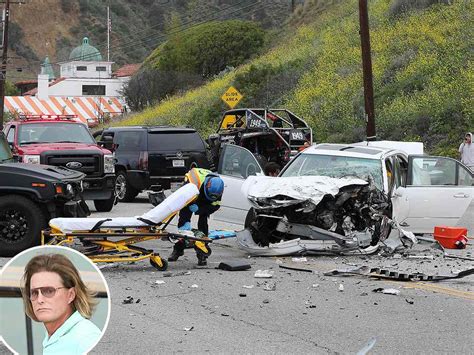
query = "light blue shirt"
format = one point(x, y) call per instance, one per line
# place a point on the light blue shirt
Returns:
point(76, 336)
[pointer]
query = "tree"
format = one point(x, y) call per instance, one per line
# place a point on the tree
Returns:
point(209, 48)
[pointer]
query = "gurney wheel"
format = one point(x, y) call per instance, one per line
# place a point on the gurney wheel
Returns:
point(154, 263)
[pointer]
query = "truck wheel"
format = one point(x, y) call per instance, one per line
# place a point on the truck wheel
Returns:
point(104, 205)
point(21, 222)
point(123, 190)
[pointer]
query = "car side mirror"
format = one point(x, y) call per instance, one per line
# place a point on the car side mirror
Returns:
point(107, 142)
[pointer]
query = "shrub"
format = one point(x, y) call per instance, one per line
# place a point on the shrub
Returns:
point(399, 7)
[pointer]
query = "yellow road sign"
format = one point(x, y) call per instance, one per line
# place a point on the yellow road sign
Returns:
point(231, 97)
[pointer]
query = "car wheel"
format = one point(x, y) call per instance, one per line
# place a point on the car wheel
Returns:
point(123, 190)
point(21, 222)
point(104, 205)
point(250, 218)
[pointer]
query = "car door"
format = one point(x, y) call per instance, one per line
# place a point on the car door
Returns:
point(235, 165)
point(438, 192)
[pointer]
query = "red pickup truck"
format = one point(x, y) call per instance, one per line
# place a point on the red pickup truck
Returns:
point(60, 140)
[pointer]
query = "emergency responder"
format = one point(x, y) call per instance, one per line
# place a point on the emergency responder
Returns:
point(210, 187)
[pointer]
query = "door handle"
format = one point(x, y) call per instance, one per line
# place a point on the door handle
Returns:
point(404, 224)
point(461, 195)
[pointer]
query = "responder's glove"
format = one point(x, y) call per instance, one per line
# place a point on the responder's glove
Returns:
point(193, 208)
point(185, 227)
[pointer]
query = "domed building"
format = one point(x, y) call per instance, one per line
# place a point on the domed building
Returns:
point(86, 87)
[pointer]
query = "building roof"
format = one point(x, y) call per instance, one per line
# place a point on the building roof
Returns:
point(34, 91)
point(85, 108)
point(85, 52)
point(126, 70)
point(26, 82)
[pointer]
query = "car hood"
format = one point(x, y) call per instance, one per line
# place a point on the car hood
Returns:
point(288, 190)
point(42, 147)
point(46, 172)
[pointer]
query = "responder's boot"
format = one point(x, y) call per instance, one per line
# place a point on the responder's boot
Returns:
point(202, 252)
point(178, 250)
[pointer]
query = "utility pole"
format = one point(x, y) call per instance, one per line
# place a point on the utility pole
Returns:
point(109, 25)
point(367, 70)
point(3, 77)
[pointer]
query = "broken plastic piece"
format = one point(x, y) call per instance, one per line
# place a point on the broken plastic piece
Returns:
point(263, 274)
point(387, 291)
point(234, 265)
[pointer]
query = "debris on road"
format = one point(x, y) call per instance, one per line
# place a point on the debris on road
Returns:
point(269, 286)
point(188, 329)
point(172, 274)
point(159, 282)
point(242, 295)
point(409, 300)
point(248, 286)
point(387, 291)
point(395, 275)
point(294, 268)
point(128, 300)
point(341, 287)
point(263, 274)
point(194, 286)
point(234, 265)
point(367, 347)
point(299, 260)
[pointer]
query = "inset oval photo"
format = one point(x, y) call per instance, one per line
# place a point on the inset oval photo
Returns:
point(53, 300)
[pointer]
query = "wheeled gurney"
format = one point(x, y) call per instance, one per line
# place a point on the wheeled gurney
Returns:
point(94, 233)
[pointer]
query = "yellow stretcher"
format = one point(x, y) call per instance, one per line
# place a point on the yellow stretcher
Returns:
point(97, 236)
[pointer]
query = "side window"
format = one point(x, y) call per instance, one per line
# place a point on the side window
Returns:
point(433, 171)
point(128, 141)
point(238, 162)
point(11, 134)
point(390, 172)
point(402, 170)
point(466, 178)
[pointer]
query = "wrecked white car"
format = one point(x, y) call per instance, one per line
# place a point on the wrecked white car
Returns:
point(359, 190)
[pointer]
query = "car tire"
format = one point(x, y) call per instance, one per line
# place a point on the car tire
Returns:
point(21, 222)
point(123, 190)
point(249, 218)
point(104, 205)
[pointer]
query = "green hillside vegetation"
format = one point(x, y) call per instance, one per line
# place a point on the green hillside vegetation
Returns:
point(422, 65)
point(209, 48)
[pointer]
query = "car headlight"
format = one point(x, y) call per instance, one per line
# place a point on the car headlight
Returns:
point(109, 164)
point(31, 159)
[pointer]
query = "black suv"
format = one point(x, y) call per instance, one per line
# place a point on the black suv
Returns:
point(152, 157)
point(32, 194)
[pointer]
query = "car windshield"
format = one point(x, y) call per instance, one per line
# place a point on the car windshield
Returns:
point(57, 132)
point(336, 167)
point(5, 152)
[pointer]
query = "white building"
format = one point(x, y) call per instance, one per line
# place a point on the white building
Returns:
point(85, 74)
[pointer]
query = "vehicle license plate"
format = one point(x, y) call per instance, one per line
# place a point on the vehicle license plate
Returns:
point(178, 163)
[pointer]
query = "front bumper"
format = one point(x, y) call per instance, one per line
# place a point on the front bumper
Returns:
point(101, 188)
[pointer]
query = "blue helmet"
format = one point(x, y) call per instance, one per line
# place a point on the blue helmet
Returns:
point(213, 187)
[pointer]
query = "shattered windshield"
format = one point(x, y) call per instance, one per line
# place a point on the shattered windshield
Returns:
point(54, 133)
point(336, 167)
point(5, 152)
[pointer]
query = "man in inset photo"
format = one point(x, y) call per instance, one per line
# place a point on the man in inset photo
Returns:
point(62, 312)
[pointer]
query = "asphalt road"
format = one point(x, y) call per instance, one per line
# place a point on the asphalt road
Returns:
point(206, 310)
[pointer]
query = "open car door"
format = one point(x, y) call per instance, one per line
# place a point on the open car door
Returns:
point(438, 191)
point(235, 165)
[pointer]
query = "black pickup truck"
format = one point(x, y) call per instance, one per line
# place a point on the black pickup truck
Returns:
point(32, 194)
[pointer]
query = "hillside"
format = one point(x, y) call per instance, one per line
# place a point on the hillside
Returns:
point(54, 27)
point(423, 75)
